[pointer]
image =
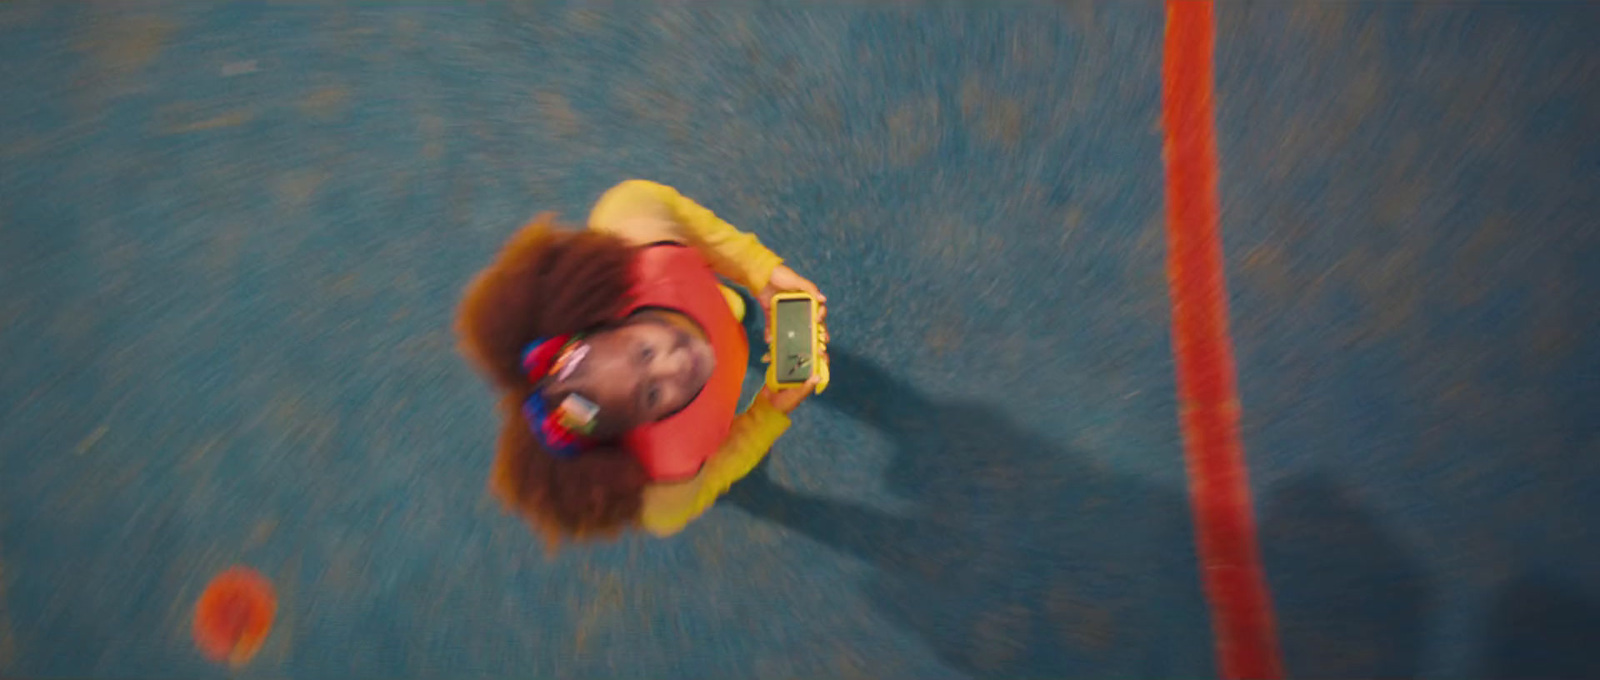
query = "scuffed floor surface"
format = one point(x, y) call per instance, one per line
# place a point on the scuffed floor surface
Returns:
point(231, 238)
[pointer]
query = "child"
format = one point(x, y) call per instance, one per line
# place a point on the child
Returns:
point(620, 358)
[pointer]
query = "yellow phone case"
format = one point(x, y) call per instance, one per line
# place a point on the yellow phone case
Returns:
point(819, 350)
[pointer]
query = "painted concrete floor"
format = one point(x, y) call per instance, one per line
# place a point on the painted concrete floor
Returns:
point(231, 238)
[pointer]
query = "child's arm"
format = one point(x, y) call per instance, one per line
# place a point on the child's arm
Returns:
point(643, 212)
point(668, 508)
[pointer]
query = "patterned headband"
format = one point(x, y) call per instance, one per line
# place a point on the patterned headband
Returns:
point(565, 430)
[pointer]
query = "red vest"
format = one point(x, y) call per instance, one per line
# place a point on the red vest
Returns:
point(678, 278)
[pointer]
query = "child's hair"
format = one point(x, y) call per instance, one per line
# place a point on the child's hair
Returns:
point(549, 281)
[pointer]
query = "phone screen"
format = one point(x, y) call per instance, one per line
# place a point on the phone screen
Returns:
point(793, 337)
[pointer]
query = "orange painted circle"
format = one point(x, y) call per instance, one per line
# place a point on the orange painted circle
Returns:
point(234, 616)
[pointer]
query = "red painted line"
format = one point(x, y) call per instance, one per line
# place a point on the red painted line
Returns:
point(1219, 489)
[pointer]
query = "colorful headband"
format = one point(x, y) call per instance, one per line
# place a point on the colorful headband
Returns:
point(563, 431)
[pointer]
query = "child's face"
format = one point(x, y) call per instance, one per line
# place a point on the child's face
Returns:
point(641, 372)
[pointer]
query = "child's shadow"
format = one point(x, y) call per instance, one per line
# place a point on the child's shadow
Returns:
point(1021, 558)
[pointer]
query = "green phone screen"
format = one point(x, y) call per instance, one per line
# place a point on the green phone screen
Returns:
point(793, 335)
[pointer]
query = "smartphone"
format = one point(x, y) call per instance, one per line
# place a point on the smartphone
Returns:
point(797, 351)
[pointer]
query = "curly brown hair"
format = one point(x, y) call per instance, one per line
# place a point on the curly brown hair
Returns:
point(547, 281)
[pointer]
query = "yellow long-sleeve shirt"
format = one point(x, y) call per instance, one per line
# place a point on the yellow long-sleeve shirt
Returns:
point(644, 212)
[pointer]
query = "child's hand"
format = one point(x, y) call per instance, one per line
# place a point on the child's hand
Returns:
point(785, 280)
point(787, 400)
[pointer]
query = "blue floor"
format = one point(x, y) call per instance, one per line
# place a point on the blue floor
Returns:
point(1411, 204)
point(232, 237)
